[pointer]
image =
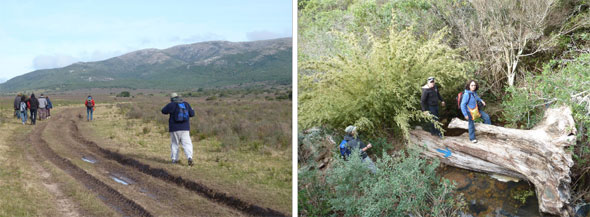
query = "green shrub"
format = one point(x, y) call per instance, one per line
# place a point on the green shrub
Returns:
point(376, 88)
point(124, 94)
point(403, 185)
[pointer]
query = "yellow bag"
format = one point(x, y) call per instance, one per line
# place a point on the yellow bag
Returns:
point(474, 112)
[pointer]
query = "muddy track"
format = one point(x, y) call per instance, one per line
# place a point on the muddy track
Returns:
point(162, 174)
point(108, 195)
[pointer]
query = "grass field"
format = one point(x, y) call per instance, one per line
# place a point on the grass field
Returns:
point(241, 147)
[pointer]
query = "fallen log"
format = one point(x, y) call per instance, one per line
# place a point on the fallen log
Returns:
point(537, 155)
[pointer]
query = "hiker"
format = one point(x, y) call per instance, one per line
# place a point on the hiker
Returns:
point(42, 107)
point(89, 103)
point(429, 103)
point(33, 106)
point(17, 101)
point(470, 108)
point(49, 107)
point(23, 109)
point(352, 142)
point(179, 127)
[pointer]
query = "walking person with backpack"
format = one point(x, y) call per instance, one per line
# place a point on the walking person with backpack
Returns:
point(351, 142)
point(89, 103)
point(429, 103)
point(49, 107)
point(470, 108)
point(33, 106)
point(23, 109)
point(179, 127)
point(17, 101)
point(42, 107)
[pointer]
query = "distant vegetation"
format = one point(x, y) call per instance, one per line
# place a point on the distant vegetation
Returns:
point(124, 94)
point(250, 123)
point(206, 65)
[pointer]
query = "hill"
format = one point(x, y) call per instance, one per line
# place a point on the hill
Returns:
point(198, 65)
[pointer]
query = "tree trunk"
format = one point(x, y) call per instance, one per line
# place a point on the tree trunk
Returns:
point(536, 155)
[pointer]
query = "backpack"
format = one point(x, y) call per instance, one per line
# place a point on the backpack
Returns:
point(344, 149)
point(23, 106)
point(89, 103)
point(182, 113)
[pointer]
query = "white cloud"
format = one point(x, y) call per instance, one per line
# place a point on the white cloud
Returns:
point(52, 61)
point(263, 35)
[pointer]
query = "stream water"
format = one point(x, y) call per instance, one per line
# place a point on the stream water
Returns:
point(486, 196)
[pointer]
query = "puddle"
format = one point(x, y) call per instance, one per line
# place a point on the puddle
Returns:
point(486, 196)
point(89, 159)
point(146, 192)
point(121, 179)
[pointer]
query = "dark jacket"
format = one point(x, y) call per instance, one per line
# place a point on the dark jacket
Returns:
point(34, 103)
point(49, 104)
point(17, 103)
point(172, 109)
point(356, 143)
point(430, 97)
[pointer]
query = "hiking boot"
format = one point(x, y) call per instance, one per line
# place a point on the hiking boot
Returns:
point(190, 161)
point(474, 141)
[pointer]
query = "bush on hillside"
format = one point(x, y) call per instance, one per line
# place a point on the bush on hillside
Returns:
point(124, 94)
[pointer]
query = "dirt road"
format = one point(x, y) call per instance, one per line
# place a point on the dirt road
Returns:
point(129, 186)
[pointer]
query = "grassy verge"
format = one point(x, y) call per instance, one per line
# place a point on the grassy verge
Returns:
point(252, 169)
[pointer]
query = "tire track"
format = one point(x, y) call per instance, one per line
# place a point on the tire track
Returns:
point(162, 174)
point(108, 195)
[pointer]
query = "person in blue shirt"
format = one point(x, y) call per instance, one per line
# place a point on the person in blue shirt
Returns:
point(179, 129)
point(469, 102)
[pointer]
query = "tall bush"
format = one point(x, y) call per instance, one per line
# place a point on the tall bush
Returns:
point(376, 88)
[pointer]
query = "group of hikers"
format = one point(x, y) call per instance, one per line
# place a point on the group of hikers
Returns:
point(468, 102)
point(40, 108)
point(178, 124)
point(24, 105)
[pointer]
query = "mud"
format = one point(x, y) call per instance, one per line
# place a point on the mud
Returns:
point(162, 174)
point(110, 196)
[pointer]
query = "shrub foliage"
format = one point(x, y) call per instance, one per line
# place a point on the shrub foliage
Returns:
point(376, 88)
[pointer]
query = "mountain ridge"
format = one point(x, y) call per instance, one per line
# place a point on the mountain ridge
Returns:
point(187, 66)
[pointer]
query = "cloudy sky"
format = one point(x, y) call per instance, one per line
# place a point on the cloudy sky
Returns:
point(49, 34)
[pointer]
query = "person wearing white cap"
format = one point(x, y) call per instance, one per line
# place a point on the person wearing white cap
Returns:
point(351, 142)
point(429, 103)
point(179, 126)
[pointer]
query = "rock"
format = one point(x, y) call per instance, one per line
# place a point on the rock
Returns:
point(461, 181)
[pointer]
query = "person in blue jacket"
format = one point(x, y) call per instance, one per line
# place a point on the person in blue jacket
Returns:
point(179, 127)
point(469, 101)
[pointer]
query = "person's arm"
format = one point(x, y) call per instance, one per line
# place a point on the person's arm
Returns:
point(93, 103)
point(167, 109)
point(479, 99)
point(191, 112)
point(367, 147)
point(464, 109)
